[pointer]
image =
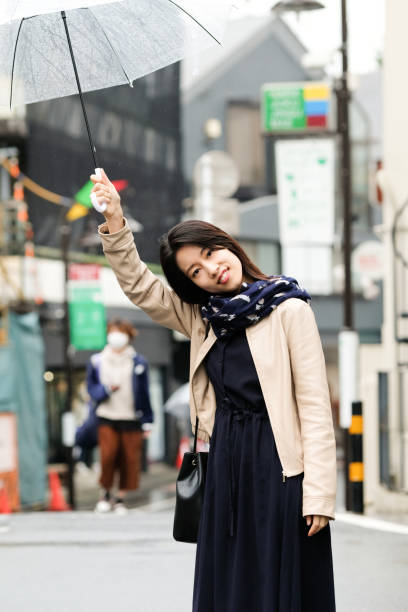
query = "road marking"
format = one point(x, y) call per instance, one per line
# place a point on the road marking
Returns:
point(371, 523)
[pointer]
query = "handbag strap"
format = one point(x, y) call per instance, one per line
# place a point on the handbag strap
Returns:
point(195, 436)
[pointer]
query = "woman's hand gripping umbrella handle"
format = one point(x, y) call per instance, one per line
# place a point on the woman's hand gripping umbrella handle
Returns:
point(106, 200)
point(99, 206)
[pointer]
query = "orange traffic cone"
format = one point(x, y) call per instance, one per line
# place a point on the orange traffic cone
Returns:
point(5, 507)
point(57, 501)
point(184, 447)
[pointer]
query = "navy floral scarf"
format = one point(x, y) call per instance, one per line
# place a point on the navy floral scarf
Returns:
point(256, 300)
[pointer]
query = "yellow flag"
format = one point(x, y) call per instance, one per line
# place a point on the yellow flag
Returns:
point(76, 212)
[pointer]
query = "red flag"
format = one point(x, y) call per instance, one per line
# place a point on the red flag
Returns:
point(120, 184)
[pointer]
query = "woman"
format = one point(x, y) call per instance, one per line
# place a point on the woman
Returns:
point(258, 385)
point(117, 382)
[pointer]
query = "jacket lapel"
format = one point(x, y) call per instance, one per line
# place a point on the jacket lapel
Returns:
point(204, 348)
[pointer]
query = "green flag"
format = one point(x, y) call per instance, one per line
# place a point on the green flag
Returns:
point(83, 195)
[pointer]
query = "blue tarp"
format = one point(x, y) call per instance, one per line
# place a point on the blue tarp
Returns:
point(22, 391)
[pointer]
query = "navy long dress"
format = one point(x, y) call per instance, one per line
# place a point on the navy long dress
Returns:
point(253, 552)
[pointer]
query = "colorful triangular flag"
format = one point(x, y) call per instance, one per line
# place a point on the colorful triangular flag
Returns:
point(82, 199)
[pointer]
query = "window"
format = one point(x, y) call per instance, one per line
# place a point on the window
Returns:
point(245, 142)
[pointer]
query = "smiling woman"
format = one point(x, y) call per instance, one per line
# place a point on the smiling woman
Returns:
point(258, 391)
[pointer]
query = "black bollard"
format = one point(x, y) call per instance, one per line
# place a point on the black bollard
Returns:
point(356, 465)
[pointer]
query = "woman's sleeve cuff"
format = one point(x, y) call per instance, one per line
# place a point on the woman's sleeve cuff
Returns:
point(104, 231)
point(318, 505)
point(117, 240)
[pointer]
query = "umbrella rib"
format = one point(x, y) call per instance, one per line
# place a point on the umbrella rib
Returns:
point(111, 46)
point(195, 20)
point(14, 60)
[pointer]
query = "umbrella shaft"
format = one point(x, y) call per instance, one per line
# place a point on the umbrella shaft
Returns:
point(93, 148)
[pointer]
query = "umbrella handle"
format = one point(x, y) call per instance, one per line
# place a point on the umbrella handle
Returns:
point(97, 206)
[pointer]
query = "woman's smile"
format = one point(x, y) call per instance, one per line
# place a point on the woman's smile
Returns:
point(224, 277)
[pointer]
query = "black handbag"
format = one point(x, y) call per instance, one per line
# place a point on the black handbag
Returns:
point(190, 494)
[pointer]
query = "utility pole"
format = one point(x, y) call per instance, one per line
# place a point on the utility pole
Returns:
point(65, 230)
point(348, 337)
point(344, 130)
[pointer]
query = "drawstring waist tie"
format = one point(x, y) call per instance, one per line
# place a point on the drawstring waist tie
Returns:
point(237, 414)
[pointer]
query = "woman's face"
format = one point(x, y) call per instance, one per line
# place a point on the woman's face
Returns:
point(215, 271)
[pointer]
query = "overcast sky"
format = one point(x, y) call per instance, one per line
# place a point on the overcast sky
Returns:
point(320, 31)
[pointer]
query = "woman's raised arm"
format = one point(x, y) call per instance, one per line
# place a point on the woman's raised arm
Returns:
point(140, 285)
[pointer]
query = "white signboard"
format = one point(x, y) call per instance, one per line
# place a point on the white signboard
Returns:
point(367, 260)
point(306, 190)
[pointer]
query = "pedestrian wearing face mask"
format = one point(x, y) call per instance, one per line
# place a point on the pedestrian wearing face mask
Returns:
point(117, 382)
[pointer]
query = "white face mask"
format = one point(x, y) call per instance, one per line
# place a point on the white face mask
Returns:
point(117, 339)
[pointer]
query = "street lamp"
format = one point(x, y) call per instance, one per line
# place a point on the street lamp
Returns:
point(297, 6)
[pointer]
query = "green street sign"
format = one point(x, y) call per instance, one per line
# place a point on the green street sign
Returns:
point(87, 322)
point(284, 109)
point(87, 317)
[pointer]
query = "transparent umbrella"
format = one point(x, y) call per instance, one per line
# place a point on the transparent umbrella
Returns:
point(56, 48)
point(178, 403)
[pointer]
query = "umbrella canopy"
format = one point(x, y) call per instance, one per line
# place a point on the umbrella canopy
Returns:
point(113, 42)
point(17, 9)
point(178, 403)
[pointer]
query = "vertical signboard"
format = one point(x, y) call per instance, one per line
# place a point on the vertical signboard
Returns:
point(305, 176)
point(348, 374)
point(306, 193)
point(87, 318)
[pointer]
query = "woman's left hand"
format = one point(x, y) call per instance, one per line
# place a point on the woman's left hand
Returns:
point(317, 523)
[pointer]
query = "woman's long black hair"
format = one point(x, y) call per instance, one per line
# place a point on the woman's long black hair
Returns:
point(205, 235)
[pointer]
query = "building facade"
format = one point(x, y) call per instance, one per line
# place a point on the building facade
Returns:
point(384, 368)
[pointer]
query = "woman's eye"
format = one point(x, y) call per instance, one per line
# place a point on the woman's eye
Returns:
point(195, 272)
point(209, 252)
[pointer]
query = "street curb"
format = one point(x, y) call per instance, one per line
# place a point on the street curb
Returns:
point(371, 523)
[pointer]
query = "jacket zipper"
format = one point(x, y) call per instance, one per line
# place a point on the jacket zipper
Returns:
point(283, 476)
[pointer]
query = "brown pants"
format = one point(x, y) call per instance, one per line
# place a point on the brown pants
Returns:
point(120, 450)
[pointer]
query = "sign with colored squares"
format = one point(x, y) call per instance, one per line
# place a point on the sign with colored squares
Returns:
point(296, 107)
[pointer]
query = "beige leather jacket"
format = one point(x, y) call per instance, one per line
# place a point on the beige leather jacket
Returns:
point(288, 357)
